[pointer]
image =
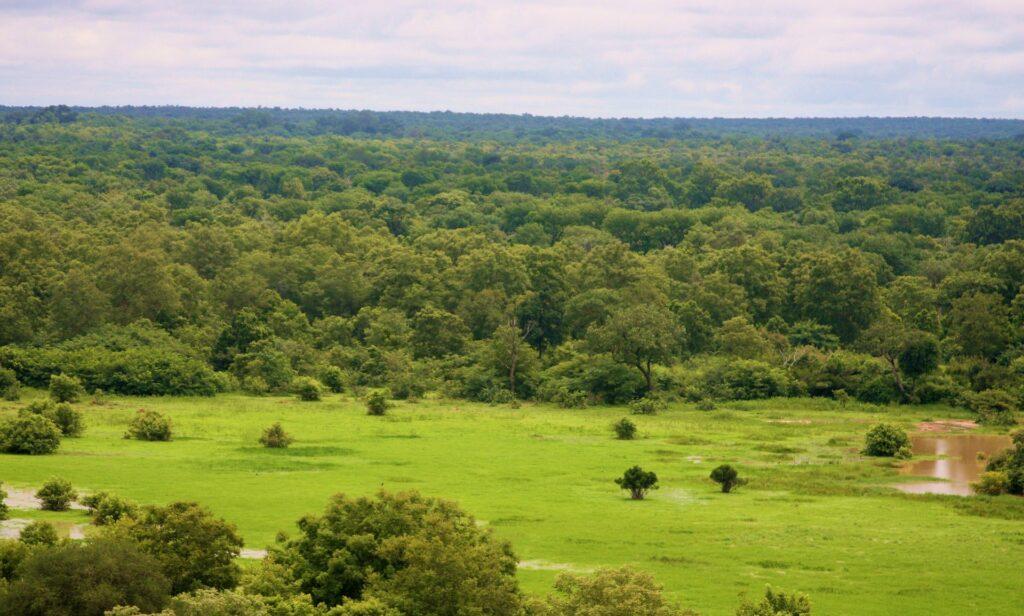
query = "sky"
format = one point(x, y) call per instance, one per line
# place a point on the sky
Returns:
point(640, 58)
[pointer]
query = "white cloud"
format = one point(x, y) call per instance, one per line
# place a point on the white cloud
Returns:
point(597, 57)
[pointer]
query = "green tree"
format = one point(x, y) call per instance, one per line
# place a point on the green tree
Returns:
point(638, 482)
point(639, 335)
point(608, 592)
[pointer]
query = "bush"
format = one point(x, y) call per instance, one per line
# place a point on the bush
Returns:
point(4, 510)
point(377, 403)
point(993, 406)
point(727, 477)
point(67, 419)
point(638, 482)
point(647, 406)
point(742, 379)
point(39, 532)
point(609, 592)
point(992, 483)
point(333, 379)
point(85, 578)
point(625, 429)
point(886, 440)
point(149, 426)
point(10, 388)
point(707, 404)
point(56, 495)
point(1011, 463)
point(275, 437)
point(29, 434)
point(65, 388)
point(777, 604)
point(307, 389)
point(108, 508)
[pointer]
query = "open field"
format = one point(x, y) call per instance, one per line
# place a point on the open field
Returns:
point(815, 517)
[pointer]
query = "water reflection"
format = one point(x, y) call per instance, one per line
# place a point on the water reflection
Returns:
point(957, 462)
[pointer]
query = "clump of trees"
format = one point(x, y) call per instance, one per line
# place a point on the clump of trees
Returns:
point(68, 419)
point(29, 433)
point(638, 482)
point(887, 440)
point(149, 425)
point(106, 508)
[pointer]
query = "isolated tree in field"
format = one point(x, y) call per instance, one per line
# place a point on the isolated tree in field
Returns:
point(56, 494)
point(377, 403)
point(638, 482)
point(624, 429)
point(275, 437)
point(149, 426)
point(886, 440)
point(726, 476)
point(639, 336)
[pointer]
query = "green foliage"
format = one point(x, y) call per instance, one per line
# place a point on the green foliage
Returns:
point(377, 403)
point(886, 440)
point(307, 389)
point(993, 406)
point(193, 548)
point(741, 379)
point(414, 554)
point(84, 578)
point(777, 603)
point(4, 509)
point(275, 437)
point(333, 379)
point(638, 482)
point(647, 406)
point(1010, 462)
point(10, 388)
point(56, 494)
point(726, 476)
point(63, 415)
point(992, 483)
point(608, 592)
point(29, 433)
point(149, 425)
point(107, 508)
point(66, 388)
point(39, 533)
point(625, 429)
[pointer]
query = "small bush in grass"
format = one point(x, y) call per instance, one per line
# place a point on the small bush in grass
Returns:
point(646, 406)
point(377, 403)
point(992, 483)
point(149, 426)
point(887, 440)
point(68, 420)
point(275, 437)
point(29, 433)
point(39, 532)
point(333, 379)
point(625, 429)
point(307, 389)
point(107, 508)
point(777, 604)
point(56, 494)
point(10, 388)
point(638, 482)
point(66, 388)
point(707, 404)
point(571, 399)
point(726, 477)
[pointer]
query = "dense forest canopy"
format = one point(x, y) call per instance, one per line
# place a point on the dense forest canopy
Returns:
point(175, 250)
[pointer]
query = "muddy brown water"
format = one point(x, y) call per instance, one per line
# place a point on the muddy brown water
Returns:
point(955, 462)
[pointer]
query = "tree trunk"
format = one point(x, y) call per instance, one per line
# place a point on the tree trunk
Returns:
point(894, 366)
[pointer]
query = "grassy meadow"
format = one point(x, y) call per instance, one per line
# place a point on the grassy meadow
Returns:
point(815, 516)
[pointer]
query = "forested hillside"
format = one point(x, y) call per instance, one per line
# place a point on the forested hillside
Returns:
point(161, 250)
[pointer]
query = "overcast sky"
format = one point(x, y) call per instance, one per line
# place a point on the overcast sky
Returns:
point(554, 57)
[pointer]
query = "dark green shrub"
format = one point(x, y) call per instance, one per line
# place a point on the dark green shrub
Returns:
point(12, 553)
point(625, 429)
point(707, 404)
point(377, 403)
point(275, 437)
point(10, 388)
point(742, 379)
point(727, 477)
point(149, 426)
point(609, 592)
point(4, 510)
point(66, 388)
point(85, 578)
point(887, 440)
point(1011, 462)
point(647, 406)
point(108, 508)
point(39, 532)
point(570, 399)
point(29, 433)
point(68, 419)
point(333, 379)
point(307, 389)
point(56, 494)
point(992, 483)
point(993, 406)
point(777, 604)
point(638, 482)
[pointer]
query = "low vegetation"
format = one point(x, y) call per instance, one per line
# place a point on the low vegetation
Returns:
point(57, 494)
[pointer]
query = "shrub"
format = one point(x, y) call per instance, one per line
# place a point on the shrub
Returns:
point(194, 548)
point(646, 406)
point(333, 379)
point(56, 494)
point(707, 404)
point(777, 604)
point(638, 482)
point(66, 388)
point(29, 434)
point(992, 483)
point(68, 419)
point(727, 477)
point(993, 406)
point(12, 553)
point(609, 592)
point(570, 399)
point(377, 403)
point(10, 388)
point(886, 440)
point(39, 532)
point(4, 511)
point(1011, 462)
point(149, 426)
point(625, 429)
point(743, 379)
point(275, 437)
point(85, 578)
point(306, 389)
point(108, 508)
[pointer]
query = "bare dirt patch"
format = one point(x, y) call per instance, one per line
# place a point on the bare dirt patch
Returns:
point(26, 499)
point(946, 425)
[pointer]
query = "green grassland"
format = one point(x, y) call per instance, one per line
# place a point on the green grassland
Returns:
point(815, 517)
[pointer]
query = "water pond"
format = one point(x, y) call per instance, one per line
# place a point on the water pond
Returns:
point(954, 460)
